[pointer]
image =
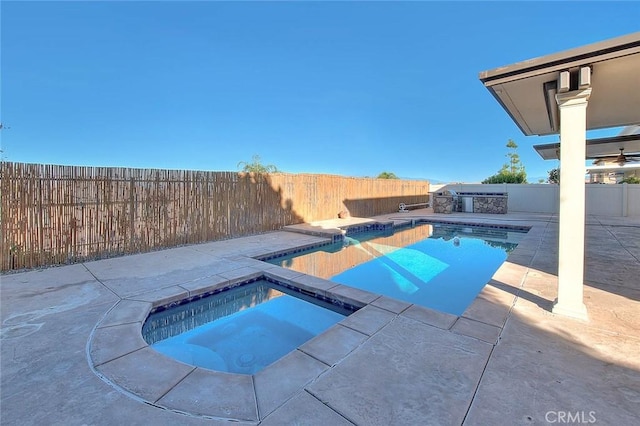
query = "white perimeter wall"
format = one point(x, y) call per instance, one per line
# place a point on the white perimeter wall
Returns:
point(602, 200)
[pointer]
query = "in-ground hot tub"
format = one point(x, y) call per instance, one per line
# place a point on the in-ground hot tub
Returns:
point(240, 329)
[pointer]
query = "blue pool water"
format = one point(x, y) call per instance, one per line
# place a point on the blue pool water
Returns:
point(444, 267)
point(241, 330)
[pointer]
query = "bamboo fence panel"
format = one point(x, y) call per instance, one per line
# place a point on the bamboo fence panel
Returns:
point(54, 214)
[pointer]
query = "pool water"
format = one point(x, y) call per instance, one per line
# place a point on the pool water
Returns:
point(241, 330)
point(439, 266)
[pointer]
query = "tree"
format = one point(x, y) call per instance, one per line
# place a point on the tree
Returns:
point(504, 176)
point(631, 179)
point(387, 175)
point(256, 166)
point(511, 172)
point(3, 127)
point(515, 165)
point(554, 175)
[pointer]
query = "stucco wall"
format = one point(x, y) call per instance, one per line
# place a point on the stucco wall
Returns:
point(602, 200)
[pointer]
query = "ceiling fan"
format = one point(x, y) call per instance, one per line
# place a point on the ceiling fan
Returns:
point(621, 158)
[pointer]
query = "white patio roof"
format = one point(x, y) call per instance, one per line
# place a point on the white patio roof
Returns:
point(595, 147)
point(526, 90)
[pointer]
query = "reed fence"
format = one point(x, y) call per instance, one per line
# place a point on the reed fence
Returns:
point(54, 214)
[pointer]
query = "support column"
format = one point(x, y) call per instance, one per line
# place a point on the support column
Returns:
point(573, 118)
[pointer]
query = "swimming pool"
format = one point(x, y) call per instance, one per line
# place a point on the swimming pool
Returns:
point(437, 265)
point(242, 329)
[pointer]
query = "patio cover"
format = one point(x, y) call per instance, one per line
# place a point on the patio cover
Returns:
point(595, 147)
point(568, 93)
point(526, 90)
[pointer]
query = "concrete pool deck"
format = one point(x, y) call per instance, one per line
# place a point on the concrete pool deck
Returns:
point(72, 353)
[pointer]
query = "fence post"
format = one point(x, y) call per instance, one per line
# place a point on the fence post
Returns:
point(625, 199)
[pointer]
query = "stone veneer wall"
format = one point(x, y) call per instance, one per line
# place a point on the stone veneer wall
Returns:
point(490, 204)
point(493, 204)
point(442, 204)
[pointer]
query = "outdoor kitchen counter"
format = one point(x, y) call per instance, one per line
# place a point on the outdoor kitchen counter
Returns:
point(470, 202)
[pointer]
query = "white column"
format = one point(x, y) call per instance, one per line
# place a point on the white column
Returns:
point(573, 118)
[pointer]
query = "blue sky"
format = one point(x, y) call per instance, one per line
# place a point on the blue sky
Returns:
point(347, 88)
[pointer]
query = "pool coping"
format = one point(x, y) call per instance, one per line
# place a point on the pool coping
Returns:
point(118, 354)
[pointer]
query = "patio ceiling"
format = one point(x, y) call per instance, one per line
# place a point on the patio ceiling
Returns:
point(526, 90)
